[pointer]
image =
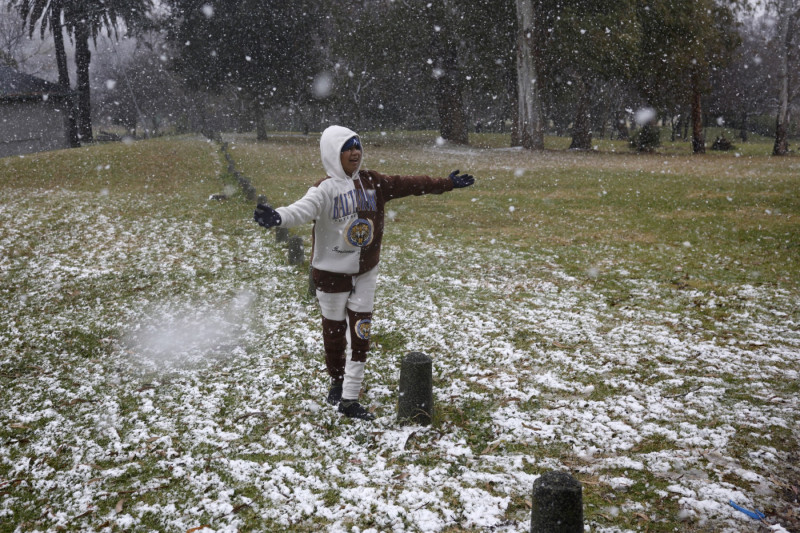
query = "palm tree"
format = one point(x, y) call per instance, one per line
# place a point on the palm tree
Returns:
point(83, 20)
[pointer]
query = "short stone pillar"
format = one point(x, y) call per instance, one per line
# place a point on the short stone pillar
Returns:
point(557, 505)
point(415, 401)
point(281, 234)
point(296, 255)
point(312, 287)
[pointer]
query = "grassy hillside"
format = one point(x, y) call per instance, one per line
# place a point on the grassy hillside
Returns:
point(630, 319)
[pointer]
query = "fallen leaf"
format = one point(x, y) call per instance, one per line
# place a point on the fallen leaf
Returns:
point(491, 448)
point(77, 401)
point(240, 507)
point(118, 507)
point(84, 514)
point(198, 528)
point(410, 436)
point(18, 426)
point(259, 414)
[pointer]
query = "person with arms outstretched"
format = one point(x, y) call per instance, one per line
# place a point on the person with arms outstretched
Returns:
point(347, 208)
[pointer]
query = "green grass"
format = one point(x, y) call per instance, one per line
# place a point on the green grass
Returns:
point(721, 217)
point(662, 240)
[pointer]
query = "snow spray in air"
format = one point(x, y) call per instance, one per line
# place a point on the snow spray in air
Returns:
point(178, 335)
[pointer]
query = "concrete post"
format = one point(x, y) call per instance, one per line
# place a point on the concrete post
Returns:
point(312, 288)
point(281, 234)
point(415, 402)
point(557, 505)
point(296, 255)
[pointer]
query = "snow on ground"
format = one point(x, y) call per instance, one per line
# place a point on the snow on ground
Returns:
point(162, 374)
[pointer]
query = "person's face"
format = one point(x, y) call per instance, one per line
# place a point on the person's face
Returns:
point(351, 159)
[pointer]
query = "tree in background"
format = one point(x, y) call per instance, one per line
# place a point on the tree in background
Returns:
point(788, 15)
point(16, 49)
point(681, 42)
point(134, 86)
point(445, 41)
point(488, 30)
point(744, 89)
point(49, 19)
point(529, 116)
point(474, 51)
point(83, 20)
point(419, 72)
point(375, 78)
point(267, 49)
point(417, 65)
point(583, 44)
point(451, 65)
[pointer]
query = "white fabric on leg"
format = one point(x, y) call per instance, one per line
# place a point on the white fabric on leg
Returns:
point(348, 354)
point(353, 377)
point(333, 305)
point(362, 297)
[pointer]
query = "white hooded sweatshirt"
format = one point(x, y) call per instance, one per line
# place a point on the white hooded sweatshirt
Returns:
point(348, 210)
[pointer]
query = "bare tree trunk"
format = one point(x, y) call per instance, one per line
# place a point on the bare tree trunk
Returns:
point(673, 126)
point(581, 129)
point(685, 121)
point(516, 138)
point(531, 130)
point(784, 37)
point(83, 57)
point(743, 130)
point(260, 118)
point(449, 99)
point(510, 109)
point(63, 72)
point(621, 126)
point(698, 141)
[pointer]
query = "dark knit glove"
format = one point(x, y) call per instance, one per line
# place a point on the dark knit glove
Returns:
point(460, 180)
point(266, 216)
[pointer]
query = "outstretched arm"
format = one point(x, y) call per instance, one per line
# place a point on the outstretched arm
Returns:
point(266, 216)
point(461, 180)
point(304, 210)
point(401, 186)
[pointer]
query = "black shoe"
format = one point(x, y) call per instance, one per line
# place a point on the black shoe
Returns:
point(353, 409)
point(334, 394)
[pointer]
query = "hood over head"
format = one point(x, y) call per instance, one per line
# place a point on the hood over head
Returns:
point(330, 147)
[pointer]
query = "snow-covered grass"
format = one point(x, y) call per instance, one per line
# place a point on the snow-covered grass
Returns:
point(632, 320)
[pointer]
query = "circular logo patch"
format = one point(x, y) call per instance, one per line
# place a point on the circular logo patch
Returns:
point(360, 232)
point(363, 328)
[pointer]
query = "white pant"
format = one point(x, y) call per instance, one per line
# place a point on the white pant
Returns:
point(334, 306)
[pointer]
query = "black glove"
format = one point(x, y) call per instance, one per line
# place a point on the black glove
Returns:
point(461, 180)
point(266, 216)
